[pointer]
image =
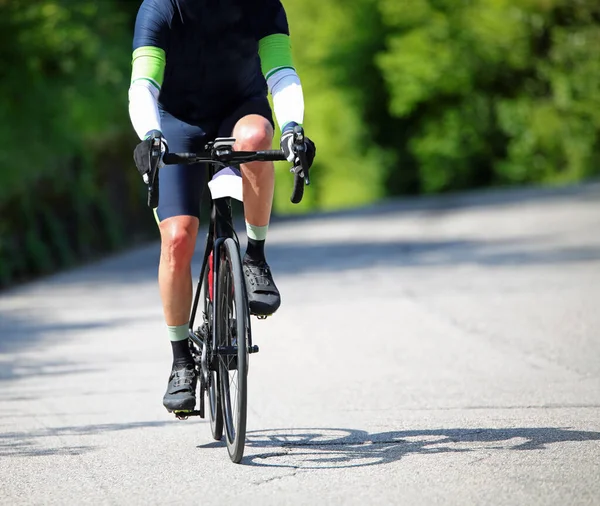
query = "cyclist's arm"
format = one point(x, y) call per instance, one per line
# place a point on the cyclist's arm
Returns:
point(275, 51)
point(147, 74)
point(150, 42)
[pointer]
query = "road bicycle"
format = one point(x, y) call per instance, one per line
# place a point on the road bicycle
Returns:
point(221, 343)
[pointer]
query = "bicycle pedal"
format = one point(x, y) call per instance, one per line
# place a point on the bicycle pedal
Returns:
point(184, 415)
point(181, 415)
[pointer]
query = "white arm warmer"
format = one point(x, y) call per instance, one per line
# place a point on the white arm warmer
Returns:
point(143, 107)
point(288, 100)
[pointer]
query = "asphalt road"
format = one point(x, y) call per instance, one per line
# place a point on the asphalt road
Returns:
point(433, 351)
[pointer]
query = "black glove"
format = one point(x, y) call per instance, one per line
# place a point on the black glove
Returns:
point(289, 148)
point(142, 154)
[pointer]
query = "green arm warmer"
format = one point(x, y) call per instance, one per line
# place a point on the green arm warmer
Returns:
point(149, 64)
point(275, 53)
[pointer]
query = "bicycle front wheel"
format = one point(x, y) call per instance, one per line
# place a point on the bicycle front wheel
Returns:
point(232, 349)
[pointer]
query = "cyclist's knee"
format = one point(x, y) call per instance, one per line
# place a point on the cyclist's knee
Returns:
point(178, 238)
point(253, 133)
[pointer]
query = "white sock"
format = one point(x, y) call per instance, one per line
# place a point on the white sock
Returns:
point(178, 333)
point(256, 233)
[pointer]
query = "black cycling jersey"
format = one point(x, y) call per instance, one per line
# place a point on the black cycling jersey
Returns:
point(211, 51)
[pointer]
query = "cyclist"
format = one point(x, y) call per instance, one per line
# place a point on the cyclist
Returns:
point(202, 69)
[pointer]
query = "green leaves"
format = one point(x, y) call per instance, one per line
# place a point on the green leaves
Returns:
point(528, 61)
point(64, 79)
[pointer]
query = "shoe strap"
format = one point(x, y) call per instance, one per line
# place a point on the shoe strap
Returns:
point(183, 377)
point(260, 279)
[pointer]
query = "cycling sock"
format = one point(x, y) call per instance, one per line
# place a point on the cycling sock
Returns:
point(178, 335)
point(256, 233)
point(255, 251)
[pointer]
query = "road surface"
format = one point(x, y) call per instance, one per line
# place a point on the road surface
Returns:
point(429, 351)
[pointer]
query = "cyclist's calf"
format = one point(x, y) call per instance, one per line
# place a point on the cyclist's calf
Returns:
point(178, 239)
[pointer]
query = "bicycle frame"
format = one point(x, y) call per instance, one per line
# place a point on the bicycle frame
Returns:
point(220, 228)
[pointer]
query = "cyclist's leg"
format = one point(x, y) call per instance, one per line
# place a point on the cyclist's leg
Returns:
point(252, 126)
point(180, 188)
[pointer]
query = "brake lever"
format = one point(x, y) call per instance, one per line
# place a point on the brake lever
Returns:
point(300, 169)
point(155, 154)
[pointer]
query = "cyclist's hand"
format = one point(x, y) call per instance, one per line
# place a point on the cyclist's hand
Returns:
point(142, 154)
point(289, 148)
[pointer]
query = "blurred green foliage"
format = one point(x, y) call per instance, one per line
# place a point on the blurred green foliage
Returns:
point(63, 182)
point(499, 91)
point(401, 97)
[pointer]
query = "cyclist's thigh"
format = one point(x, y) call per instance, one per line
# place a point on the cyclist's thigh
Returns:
point(254, 105)
point(180, 186)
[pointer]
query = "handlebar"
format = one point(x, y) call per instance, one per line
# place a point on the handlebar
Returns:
point(223, 157)
point(153, 181)
point(220, 152)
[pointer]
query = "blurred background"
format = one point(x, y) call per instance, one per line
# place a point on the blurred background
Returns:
point(402, 98)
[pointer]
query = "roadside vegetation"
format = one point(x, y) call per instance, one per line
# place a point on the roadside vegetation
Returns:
point(416, 97)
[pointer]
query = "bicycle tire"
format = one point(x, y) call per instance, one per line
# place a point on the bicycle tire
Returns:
point(231, 317)
point(215, 412)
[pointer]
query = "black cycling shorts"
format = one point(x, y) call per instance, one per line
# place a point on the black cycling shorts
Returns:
point(180, 186)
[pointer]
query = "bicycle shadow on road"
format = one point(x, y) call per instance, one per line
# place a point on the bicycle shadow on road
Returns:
point(345, 448)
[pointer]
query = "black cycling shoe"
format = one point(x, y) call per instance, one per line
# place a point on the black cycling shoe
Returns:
point(263, 296)
point(181, 392)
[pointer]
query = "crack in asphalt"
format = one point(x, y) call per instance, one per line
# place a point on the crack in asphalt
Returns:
point(286, 451)
point(277, 478)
